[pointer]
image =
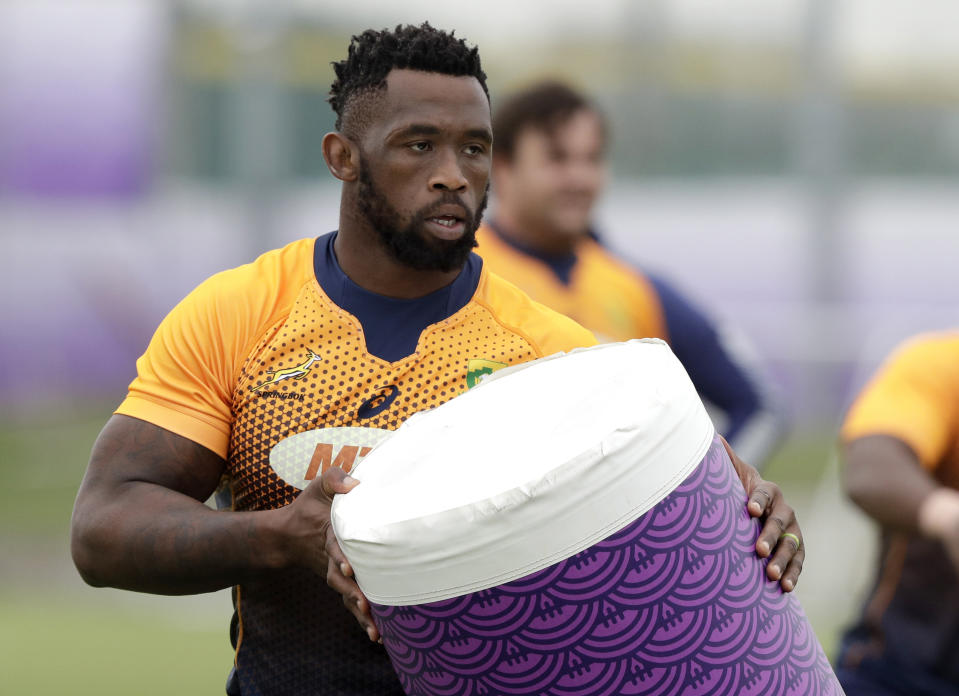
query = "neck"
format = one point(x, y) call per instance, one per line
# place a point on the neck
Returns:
point(370, 265)
point(536, 235)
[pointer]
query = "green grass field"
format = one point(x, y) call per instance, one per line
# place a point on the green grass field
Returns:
point(53, 644)
point(58, 636)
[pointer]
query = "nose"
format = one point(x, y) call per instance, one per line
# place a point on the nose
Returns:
point(448, 175)
point(585, 174)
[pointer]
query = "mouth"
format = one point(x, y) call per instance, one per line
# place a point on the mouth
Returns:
point(579, 199)
point(446, 226)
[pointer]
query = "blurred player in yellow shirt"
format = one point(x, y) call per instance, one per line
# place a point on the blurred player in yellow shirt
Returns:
point(900, 443)
point(548, 172)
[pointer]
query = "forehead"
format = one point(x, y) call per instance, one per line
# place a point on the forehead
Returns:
point(426, 98)
point(581, 129)
point(583, 126)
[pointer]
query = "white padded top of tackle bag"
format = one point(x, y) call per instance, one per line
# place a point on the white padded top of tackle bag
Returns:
point(535, 464)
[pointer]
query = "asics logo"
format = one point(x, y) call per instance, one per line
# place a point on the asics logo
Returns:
point(378, 403)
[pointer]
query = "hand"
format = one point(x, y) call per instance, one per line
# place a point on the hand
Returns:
point(323, 554)
point(780, 535)
point(939, 518)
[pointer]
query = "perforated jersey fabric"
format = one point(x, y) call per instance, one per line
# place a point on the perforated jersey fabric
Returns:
point(260, 354)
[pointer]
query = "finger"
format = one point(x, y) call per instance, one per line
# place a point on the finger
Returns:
point(334, 480)
point(793, 570)
point(342, 584)
point(760, 500)
point(357, 604)
point(353, 596)
point(786, 549)
point(774, 526)
point(335, 554)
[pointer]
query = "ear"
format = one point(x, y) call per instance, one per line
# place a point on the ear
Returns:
point(342, 156)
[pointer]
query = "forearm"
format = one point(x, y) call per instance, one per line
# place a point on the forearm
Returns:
point(884, 478)
point(150, 539)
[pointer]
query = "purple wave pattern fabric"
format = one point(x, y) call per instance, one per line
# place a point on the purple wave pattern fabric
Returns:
point(675, 603)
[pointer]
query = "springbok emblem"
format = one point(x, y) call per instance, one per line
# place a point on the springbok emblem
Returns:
point(295, 372)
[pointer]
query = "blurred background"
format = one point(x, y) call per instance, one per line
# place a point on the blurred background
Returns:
point(793, 166)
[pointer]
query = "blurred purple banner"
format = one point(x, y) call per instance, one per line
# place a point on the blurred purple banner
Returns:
point(79, 87)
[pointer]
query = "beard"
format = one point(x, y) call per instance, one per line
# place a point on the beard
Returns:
point(410, 244)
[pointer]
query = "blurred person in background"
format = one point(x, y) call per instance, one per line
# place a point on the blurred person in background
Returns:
point(549, 169)
point(900, 445)
point(344, 336)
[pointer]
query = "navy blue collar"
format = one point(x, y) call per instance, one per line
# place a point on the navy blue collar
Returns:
point(560, 264)
point(391, 326)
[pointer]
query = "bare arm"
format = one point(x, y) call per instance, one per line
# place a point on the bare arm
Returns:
point(883, 476)
point(139, 522)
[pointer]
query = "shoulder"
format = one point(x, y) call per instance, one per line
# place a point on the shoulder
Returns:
point(255, 293)
point(607, 267)
point(938, 350)
point(687, 324)
point(547, 330)
point(927, 362)
point(186, 377)
point(500, 255)
point(673, 299)
point(226, 313)
point(594, 252)
point(913, 396)
point(273, 272)
point(486, 238)
point(595, 258)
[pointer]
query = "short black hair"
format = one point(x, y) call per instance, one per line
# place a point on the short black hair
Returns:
point(373, 54)
point(542, 106)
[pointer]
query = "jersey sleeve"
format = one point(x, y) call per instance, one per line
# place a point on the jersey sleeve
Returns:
point(186, 377)
point(914, 397)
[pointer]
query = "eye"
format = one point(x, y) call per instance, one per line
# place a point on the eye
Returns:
point(421, 146)
point(474, 150)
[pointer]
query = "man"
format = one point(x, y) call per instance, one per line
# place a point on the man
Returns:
point(900, 443)
point(548, 170)
point(276, 374)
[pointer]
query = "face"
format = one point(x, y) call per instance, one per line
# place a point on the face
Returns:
point(555, 178)
point(424, 167)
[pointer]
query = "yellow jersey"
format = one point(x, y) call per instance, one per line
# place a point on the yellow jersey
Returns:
point(603, 293)
point(268, 366)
